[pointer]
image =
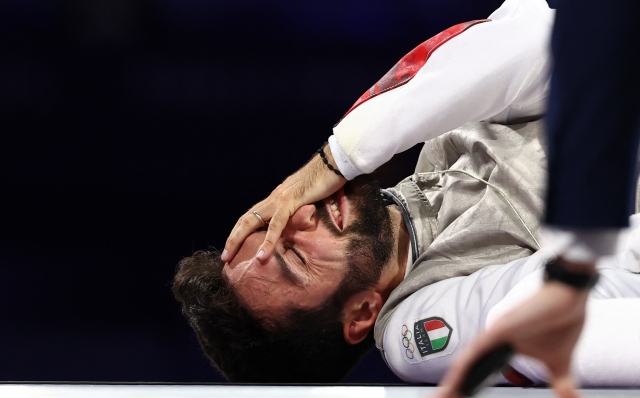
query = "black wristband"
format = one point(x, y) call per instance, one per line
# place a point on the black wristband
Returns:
point(581, 281)
point(324, 159)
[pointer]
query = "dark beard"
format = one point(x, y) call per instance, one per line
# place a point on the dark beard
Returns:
point(370, 236)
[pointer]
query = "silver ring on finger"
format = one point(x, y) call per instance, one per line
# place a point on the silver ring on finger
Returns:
point(255, 213)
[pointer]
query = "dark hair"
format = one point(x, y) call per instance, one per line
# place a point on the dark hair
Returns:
point(305, 346)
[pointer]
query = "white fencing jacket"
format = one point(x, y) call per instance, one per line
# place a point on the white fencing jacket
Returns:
point(495, 70)
point(447, 315)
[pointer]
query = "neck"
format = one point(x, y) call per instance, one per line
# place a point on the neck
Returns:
point(394, 271)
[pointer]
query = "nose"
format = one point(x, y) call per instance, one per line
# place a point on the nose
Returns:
point(303, 219)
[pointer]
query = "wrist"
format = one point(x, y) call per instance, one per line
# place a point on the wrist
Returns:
point(327, 159)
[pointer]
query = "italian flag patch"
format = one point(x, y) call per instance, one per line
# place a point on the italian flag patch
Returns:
point(432, 335)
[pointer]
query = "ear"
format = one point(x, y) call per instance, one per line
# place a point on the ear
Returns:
point(359, 315)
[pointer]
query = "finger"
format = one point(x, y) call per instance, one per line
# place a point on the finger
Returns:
point(276, 225)
point(245, 226)
point(564, 386)
point(560, 377)
point(446, 392)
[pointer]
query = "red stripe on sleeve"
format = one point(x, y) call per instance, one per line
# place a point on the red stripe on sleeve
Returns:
point(411, 63)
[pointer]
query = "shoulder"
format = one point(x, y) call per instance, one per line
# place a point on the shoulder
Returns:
point(422, 334)
point(430, 326)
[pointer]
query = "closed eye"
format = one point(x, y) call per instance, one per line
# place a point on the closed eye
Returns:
point(287, 273)
point(297, 253)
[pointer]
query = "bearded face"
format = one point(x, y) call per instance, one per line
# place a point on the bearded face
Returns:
point(327, 251)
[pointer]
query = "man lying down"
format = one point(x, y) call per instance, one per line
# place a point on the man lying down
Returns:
point(419, 268)
point(307, 315)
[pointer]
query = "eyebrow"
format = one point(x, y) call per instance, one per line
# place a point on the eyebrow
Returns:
point(287, 273)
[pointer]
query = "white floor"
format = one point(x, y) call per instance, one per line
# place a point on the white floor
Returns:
point(238, 391)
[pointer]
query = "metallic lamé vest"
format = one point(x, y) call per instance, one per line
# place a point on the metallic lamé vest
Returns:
point(459, 224)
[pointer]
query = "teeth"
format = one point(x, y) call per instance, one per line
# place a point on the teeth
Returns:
point(335, 210)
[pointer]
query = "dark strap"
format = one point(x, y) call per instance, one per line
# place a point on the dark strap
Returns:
point(581, 281)
point(324, 159)
point(484, 368)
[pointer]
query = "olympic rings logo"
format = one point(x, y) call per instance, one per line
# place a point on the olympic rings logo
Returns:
point(409, 348)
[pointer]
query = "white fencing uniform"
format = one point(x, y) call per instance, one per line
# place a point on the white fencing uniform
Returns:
point(434, 323)
point(497, 71)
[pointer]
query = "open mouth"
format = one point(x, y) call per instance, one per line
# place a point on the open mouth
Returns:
point(337, 206)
